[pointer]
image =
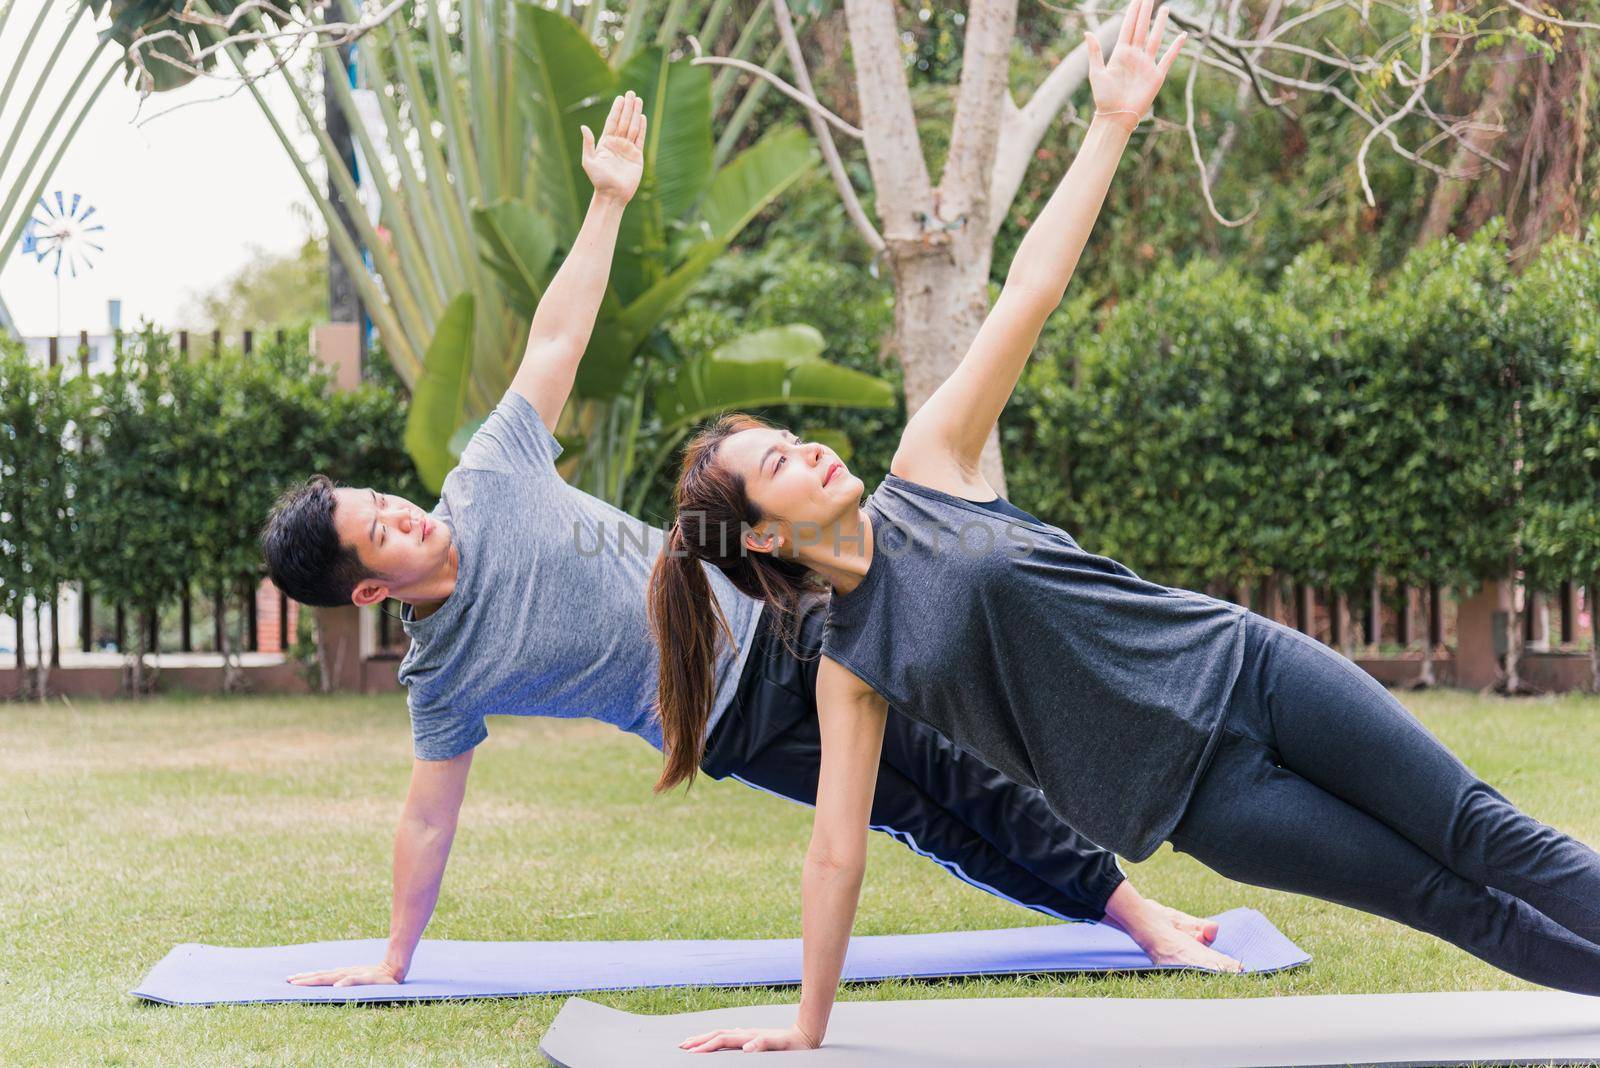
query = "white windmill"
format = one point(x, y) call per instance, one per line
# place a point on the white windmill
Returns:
point(62, 232)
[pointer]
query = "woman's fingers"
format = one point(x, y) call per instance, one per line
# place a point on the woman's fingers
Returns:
point(1157, 32)
point(616, 113)
point(636, 128)
point(1129, 17)
point(1097, 62)
point(1172, 54)
point(1141, 24)
point(319, 978)
point(723, 1039)
point(711, 1041)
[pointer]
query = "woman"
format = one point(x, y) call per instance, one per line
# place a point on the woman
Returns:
point(1143, 713)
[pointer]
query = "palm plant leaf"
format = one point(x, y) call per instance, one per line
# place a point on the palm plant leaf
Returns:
point(438, 401)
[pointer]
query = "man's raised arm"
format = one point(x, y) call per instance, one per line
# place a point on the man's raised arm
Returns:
point(565, 317)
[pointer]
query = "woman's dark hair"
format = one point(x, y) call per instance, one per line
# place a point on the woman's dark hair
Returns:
point(713, 515)
point(305, 558)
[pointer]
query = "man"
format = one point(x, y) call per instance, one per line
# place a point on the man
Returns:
point(522, 598)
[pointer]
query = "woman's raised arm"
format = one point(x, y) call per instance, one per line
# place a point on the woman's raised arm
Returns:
point(851, 719)
point(942, 441)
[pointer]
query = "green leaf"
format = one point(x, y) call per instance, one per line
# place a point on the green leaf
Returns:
point(837, 440)
point(516, 242)
point(566, 83)
point(439, 399)
point(677, 150)
point(678, 161)
point(618, 335)
point(709, 385)
point(792, 343)
point(754, 178)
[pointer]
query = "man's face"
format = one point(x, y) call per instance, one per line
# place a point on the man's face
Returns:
point(393, 537)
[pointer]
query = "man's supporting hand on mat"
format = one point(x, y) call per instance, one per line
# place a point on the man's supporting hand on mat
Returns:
point(421, 848)
point(557, 338)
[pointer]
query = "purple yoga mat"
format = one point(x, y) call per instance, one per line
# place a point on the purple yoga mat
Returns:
point(194, 974)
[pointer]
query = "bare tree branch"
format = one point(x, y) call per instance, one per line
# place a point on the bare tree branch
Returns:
point(1407, 108)
point(1021, 129)
point(1199, 159)
point(964, 184)
point(297, 29)
point(1551, 19)
point(894, 151)
point(1343, 98)
point(847, 192)
point(805, 99)
point(1230, 132)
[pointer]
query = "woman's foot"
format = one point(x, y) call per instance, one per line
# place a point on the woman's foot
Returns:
point(1168, 936)
point(1203, 930)
point(1176, 950)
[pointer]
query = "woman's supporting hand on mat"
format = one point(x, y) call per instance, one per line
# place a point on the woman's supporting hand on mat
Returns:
point(749, 1039)
point(357, 975)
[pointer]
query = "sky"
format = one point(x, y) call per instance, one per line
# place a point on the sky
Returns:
point(183, 195)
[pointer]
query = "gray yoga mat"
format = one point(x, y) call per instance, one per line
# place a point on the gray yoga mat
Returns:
point(1507, 1027)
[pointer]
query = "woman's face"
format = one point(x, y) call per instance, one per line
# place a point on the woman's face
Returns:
point(801, 488)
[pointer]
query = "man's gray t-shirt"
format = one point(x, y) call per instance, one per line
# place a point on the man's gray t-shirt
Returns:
point(548, 614)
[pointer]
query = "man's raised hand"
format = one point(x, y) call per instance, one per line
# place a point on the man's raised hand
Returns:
point(616, 163)
point(1126, 85)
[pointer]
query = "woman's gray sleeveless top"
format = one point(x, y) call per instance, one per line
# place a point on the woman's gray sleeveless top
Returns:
point(1064, 670)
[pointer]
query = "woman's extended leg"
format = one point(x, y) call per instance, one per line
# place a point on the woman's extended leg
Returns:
point(1332, 724)
point(1255, 821)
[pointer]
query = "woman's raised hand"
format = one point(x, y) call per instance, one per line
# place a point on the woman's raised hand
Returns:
point(1126, 85)
point(615, 163)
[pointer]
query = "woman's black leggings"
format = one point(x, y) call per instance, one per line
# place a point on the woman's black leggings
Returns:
point(1323, 784)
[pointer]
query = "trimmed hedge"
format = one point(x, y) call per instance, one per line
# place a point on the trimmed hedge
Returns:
point(1442, 429)
point(158, 473)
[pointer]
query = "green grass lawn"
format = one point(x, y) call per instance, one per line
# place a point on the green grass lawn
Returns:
point(126, 829)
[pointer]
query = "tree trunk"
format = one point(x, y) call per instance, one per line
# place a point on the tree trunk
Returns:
point(344, 300)
point(1448, 193)
point(41, 670)
point(232, 674)
point(324, 665)
point(1270, 598)
point(1425, 676)
point(137, 667)
point(1514, 638)
point(1594, 637)
point(939, 253)
point(1375, 635)
point(941, 298)
point(1347, 637)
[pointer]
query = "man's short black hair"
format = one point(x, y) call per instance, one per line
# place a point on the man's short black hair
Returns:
point(305, 558)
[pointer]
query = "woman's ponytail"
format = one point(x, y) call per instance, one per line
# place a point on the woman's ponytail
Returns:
point(713, 515)
point(684, 617)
